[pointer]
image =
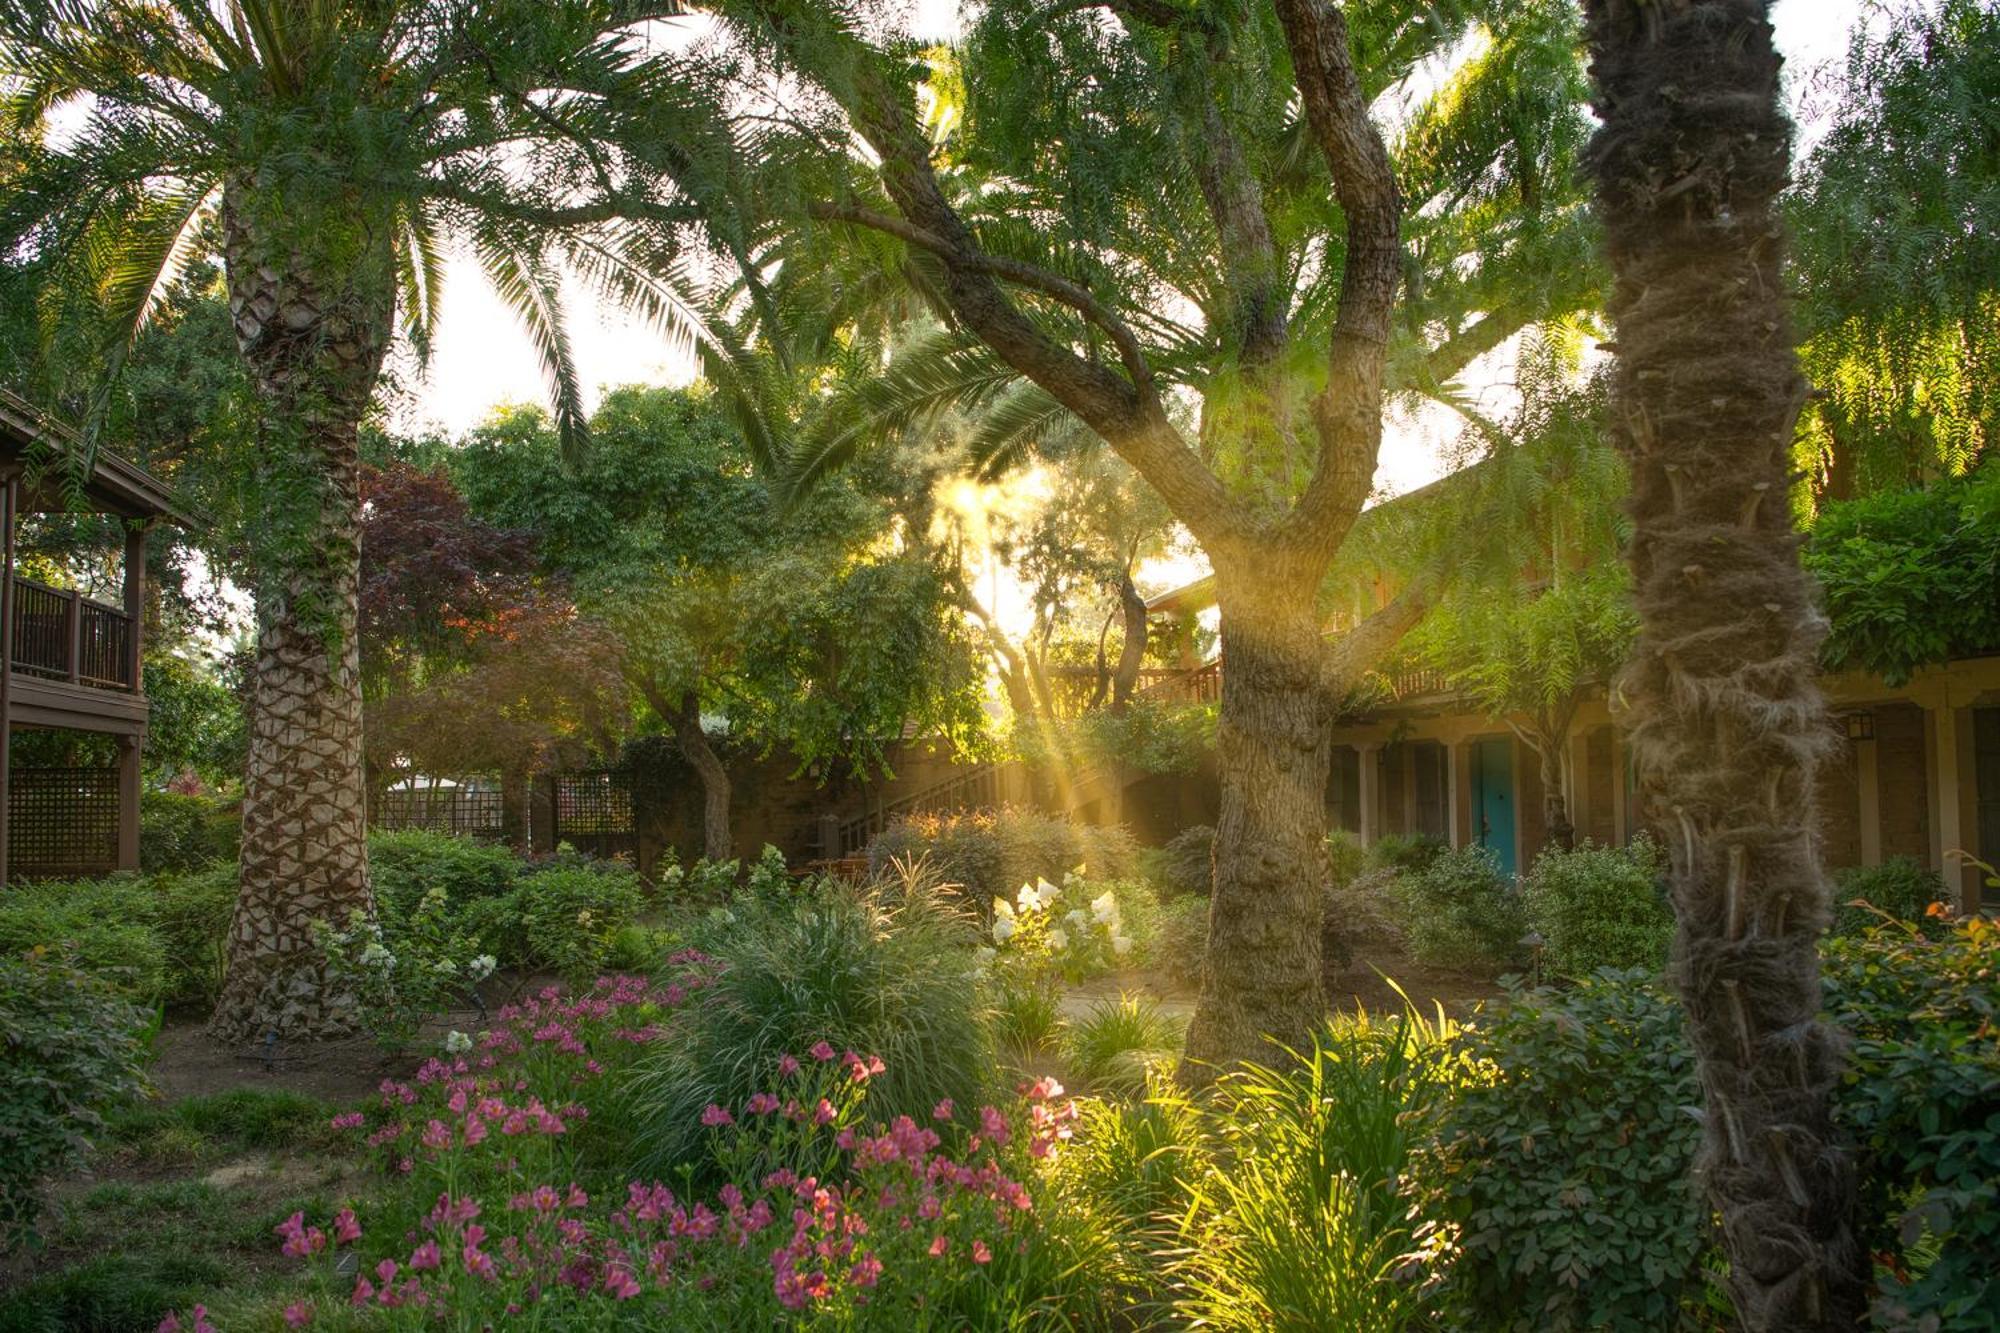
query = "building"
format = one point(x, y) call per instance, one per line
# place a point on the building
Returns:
point(73, 663)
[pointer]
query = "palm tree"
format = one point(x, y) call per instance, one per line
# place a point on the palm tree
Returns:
point(1726, 719)
point(340, 145)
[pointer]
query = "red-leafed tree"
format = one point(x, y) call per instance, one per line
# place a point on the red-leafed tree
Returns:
point(470, 660)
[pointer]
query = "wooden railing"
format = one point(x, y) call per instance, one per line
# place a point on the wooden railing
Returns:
point(63, 635)
point(975, 789)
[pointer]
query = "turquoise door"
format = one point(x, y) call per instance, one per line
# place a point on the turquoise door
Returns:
point(1493, 800)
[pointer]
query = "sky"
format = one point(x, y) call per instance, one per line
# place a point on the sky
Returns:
point(483, 361)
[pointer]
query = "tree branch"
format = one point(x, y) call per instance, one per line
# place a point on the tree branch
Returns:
point(1366, 644)
point(1348, 412)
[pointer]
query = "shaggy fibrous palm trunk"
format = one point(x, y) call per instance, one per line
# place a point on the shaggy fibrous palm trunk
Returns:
point(1724, 713)
point(312, 329)
point(1261, 977)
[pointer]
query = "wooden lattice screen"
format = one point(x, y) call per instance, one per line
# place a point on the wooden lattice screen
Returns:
point(593, 812)
point(62, 821)
point(476, 808)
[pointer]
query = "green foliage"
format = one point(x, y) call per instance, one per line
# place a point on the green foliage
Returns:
point(1186, 865)
point(194, 722)
point(1922, 1098)
point(1910, 578)
point(1025, 1020)
point(1116, 1045)
point(1153, 736)
point(570, 915)
point(1459, 911)
point(1303, 1222)
point(1405, 852)
point(180, 833)
point(881, 975)
point(73, 1047)
point(405, 973)
point(1182, 940)
point(1894, 241)
point(1346, 857)
point(1901, 886)
point(192, 914)
point(1132, 1170)
point(1599, 907)
point(991, 854)
point(241, 1118)
point(1559, 1189)
point(406, 865)
point(113, 1293)
point(103, 926)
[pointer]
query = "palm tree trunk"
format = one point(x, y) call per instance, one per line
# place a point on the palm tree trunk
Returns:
point(313, 337)
point(1724, 712)
point(1261, 979)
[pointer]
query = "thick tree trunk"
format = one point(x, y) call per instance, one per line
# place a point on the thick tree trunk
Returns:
point(313, 339)
point(1725, 716)
point(716, 843)
point(1133, 654)
point(1552, 763)
point(1261, 981)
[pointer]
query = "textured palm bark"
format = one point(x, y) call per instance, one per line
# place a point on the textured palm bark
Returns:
point(1724, 714)
point(1261, 978)
point(312, 332)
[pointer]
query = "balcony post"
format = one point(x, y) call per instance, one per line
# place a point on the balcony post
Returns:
point(9, 499)
point(135, 605)
point(128, 801)
point(73, 632)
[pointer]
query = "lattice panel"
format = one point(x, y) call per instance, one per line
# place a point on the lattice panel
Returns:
point(592, 803)
point(62, 821)
point(472, 809)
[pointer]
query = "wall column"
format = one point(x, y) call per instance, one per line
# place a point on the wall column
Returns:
point(1949, 729)
point(1370, 769)
point(128, 802)
point(1621, 816)
point(1868, 791)
point(1458, 791)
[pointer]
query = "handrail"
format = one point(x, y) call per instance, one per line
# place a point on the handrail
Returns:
point(60, 634)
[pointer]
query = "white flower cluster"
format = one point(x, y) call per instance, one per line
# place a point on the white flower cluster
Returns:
point(1078, 922)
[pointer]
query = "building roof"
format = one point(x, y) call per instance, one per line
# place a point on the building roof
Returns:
point(116, 486)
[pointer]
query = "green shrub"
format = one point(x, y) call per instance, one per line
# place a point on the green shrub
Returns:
point(1460, 911)
point(834, 964)
point(1922, 1099)
point(180, 833)
point(1361, 916)
point(71, 1048)
point(992, 854)
point(571, 913)
point(113, 1293)
point(1598, 907)
point(1181, 941)
point(106, 926)
point(1119, 1042)
point(1305, 1220)
point(1406, 851)
point(406, 865)
point(1132, 1170)
point(1561, 1173)
point(1026, 1019)
point(1345, 856)
point(1187, 863)
point(1899, 886)
point(192, 913)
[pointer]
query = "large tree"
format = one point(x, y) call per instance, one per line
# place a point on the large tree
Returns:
point(814, 628)
point(339, 147)
point(1725, 717)
point(1121, 207)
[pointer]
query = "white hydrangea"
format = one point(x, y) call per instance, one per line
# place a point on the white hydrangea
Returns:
point(1120, 945)
point(1003, 908)
point(1078, 918)
point(456, 1042)
point(481, 967)
point(1003, 929)
point(444, 967)
point(1104, 907)
point(378, 955)
point(1058, 939)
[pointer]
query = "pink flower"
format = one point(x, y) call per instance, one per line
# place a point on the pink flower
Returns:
point(298, 1314)
point(993, 1125)
point(980, 1254)
point(425, 1257)
point(171, 1324)
point(345, 1229)
point(939, 1246)
point(715, 1116)
point(1044, 1088)
point(865, 1271)
point(822, 1052)
point(364, 1292)
point(823, 1113)
point(787, 1067)
point(620, 1283)
point(385, 1272)
point(942, 1111)
point(349, 1120)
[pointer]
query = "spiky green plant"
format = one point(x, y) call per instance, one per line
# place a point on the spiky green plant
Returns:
point(1114, 1047)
